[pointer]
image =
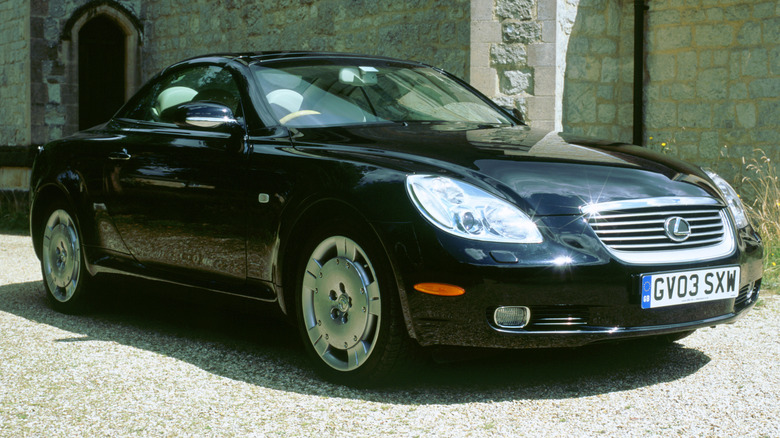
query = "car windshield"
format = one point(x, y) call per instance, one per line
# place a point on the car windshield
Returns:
point(333, 94)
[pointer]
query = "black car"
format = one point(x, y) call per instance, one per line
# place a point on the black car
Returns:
point(384, 204)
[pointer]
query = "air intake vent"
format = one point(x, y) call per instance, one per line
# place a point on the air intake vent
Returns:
point(558, 318)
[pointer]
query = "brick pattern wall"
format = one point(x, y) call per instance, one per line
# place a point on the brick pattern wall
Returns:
point(713, 94)
point(425, 30)
point(598, 78)
point(14, 74)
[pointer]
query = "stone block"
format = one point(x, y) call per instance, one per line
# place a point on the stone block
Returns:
point(609, 70)
point(661, 67)
point(774, 61)
point(480, 54)
point(712, 84)
point(486, 32)
point(714, 35)
point(693, 15)
point(764, 10)
point(508, 54)
point(746, 115)
point(738, 91)
point(546, 9)
point(660, 115)
point(522, 32)
point(53, 91)
point(768, 87)
point(549, 29)
point(657, 18)
point(541, 54)
point(683, 91)
point(687, 65)
point(772, 29)
point(695, 115)
point(738, 12)
point(582, 68)
point(670, 38)
point(515, 9)
point(541, 108)
point(603, 46)
point(544, 81)
point(749, 34)
point(714, 14)
point(516, 82)
point(481, 10)
point(724, 116)
point(765, 136)
point(484, 79)
point(768, 114)
point(579, 103)
point(605, 92)
point(755, 62)
point(606, 112)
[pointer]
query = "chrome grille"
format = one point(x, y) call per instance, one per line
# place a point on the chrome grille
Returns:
point(635, 231)
point(644, 230)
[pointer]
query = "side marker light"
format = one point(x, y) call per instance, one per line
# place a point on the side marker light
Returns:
point(440, 289)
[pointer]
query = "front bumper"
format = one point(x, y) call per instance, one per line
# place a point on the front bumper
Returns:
point(575, 297)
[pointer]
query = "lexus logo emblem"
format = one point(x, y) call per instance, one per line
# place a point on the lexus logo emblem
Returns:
point(677, 229)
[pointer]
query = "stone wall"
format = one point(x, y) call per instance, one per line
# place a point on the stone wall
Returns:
point(713, 90)
point(54, 80)
point(432, 31)
point(15, 72)
point(513, 54)
point(598, 85)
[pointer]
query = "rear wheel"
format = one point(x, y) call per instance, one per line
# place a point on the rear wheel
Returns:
point(62, 262)
point(348, 310)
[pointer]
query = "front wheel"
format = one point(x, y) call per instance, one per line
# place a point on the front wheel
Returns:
point(348, 311)
point(62, 262)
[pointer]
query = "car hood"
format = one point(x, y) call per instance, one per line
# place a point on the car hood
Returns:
point(544, 172)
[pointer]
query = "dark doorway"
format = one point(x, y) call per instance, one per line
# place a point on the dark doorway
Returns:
point(101, 71)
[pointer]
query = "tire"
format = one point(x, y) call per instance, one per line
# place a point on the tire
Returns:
point(65, 277)
point(672, 337)
point(347, 308)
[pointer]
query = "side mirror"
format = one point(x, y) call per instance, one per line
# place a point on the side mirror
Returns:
point(201, 115)
point(515, 113)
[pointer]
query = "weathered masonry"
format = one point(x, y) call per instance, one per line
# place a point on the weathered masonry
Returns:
point(690, 77)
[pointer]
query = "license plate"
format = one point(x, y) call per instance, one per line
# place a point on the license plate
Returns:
point(674, 288)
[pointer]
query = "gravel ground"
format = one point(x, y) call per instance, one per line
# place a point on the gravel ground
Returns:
point(152, 363)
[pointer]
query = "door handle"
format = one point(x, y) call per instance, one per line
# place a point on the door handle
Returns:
point(121, 155)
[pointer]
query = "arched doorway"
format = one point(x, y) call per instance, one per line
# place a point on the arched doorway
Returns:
point(101, 48)
point(101, 68)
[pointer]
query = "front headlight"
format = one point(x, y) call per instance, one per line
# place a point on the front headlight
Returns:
point(467, 211)
point(731, 197)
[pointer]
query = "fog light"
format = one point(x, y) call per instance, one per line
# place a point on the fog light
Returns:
point(512, 316)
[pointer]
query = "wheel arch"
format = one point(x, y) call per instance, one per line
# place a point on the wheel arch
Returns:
point(308, 219)
point(61, 188)
point(40, 204)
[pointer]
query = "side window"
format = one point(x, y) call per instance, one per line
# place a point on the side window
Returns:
point(209, 83)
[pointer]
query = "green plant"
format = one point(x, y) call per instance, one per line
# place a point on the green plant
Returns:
point(761, 188)
point(13, 212)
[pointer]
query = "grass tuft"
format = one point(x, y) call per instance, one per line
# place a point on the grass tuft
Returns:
point(761, 195)
point(14, 212)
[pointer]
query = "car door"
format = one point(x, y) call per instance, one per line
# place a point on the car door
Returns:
point(176, 193)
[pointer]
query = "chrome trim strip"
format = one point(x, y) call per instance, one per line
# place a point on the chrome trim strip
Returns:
point(665, 201)
point(616, 332)
point(654, 213)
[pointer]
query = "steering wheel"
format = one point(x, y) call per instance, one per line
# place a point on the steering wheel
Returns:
point(296, 114)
